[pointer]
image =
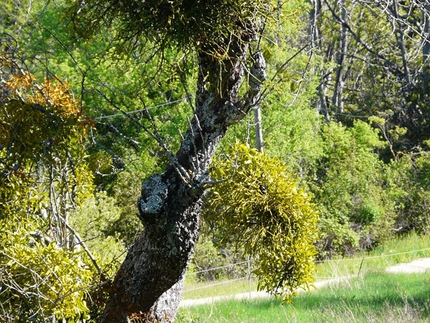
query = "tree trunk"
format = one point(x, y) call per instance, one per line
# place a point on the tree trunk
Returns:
point(321, 102)
point(148, 286)
point(426, 32)
point(337, 99)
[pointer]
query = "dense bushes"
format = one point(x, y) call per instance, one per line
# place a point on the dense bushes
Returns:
point(362, 200)
point(408, 183)
point(355, 209)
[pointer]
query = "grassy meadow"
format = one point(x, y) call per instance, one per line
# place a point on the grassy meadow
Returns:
point(369, 295)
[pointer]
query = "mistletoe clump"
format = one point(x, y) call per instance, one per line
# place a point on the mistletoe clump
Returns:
point(179, 23)
point(260, 207)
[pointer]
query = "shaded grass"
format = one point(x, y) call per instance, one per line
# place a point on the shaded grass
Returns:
point(374, 297)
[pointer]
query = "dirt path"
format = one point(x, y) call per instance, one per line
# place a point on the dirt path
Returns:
point(416, 266)
point(251, 295)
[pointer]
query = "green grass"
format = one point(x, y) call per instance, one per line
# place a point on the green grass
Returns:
point(393, 252)
point(375, 297)
point(218, 288)
point(371, 295)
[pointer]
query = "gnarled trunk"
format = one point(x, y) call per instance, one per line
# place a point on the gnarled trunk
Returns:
point(148, 286)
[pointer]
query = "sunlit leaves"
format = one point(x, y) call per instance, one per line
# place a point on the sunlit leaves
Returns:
point(38, 278)
point(258, 205)
point(92, 221)
point(354, 207)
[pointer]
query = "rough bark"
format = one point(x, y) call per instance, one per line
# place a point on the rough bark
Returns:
point(148, 285)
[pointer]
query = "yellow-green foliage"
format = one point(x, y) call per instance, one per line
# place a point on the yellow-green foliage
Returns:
point(42, 278)
point(43, 176)
point(261, 207)
point(38, 279)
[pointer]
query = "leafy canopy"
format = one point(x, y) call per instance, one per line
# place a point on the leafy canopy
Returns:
point(258, 205)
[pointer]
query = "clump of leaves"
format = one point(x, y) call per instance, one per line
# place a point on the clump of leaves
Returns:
point(259, 206)
point(38, 121)
point(179, 23)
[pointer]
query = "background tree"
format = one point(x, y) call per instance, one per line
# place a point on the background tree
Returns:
point(375, 52)
point(382, 64)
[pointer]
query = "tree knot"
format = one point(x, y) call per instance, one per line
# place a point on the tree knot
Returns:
point(153, 196)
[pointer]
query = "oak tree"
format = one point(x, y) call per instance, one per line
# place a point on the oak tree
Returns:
point(223, 37)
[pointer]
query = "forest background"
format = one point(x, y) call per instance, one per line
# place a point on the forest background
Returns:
point(83, 123)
